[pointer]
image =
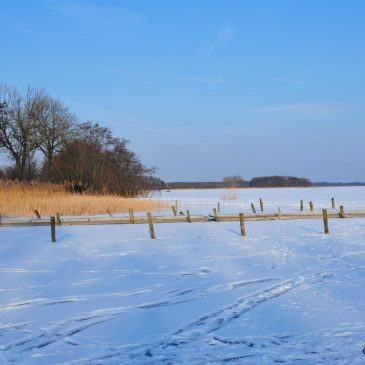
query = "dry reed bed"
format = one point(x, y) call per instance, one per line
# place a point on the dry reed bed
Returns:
point(21, 199)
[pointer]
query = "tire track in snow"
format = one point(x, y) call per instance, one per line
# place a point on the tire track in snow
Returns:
point(216, 320)
point(71, 299)
point(199, 328)
point(95, 317)
point(63, 330)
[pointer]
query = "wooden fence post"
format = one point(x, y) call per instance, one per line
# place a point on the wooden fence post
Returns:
point(215, 214)
point(242, 224)
point(311, 206)
point(150, 223)
point(219, 207)
point(58, 219)
point(37, 214)
point(188, 218)
point(253, 208)
point(131, 216)
point(53, 229)
point(174, 210)
point(261, 205)
point(342, 211)
point(333, 203)
point(325, 221)
point(301, 205)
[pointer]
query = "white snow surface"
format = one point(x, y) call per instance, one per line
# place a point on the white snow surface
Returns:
point(198, 294)
point(202, 201)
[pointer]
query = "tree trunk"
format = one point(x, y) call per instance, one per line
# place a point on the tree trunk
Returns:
point(50, 166)
point(20, 167)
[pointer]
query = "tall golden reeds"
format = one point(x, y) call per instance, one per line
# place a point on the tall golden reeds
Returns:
point(18, 199)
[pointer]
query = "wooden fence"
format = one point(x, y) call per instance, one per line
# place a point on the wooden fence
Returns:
point(23, 222)
point(184, 218)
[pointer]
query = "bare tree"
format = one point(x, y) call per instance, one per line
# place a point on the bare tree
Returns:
point(55, 127)
point(102, 163)
point(18, 124)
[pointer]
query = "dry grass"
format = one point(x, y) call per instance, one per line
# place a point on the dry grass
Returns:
point(229, 194)
point(21, 199)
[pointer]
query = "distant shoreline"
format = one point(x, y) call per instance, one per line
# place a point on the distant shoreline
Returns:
point(314, 185)
point(274, 181)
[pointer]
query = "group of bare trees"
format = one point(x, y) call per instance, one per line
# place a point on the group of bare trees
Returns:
point(34, 124)
point(32, 121)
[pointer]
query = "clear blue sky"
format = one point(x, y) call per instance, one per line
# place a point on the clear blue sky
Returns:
point(204, 89)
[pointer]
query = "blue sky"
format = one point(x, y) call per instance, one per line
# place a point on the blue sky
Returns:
point(204, 89)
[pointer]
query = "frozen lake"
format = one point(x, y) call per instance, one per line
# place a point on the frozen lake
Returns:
point(288, 199)
point(198, 294)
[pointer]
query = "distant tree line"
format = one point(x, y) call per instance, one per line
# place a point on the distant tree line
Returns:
point(279, 181)
point(45, 142)
point(239, 182)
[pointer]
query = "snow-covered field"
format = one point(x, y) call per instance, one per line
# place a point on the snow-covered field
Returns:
point(288, 199)
point(198, 294)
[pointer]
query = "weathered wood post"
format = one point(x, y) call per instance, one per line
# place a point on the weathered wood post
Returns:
point(301, 205)
point(215, 214)
point(242, 224)
point(333, 203)
point(311, 206)
point(342, 211)
point(150, 223)
point(218, 207)
point(37, 214)
point(325, 221)
point(131, 216)
point(261, 205)
point(188, 218)
point(53, 229)
point(253, 208)
point(58, 219)
point(174, 210)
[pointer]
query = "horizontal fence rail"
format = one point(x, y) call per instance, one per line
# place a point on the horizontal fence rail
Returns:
point(5, 222)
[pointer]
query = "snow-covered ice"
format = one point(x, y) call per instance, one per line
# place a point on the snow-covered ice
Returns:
point(198, 294)
point(202, 201)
